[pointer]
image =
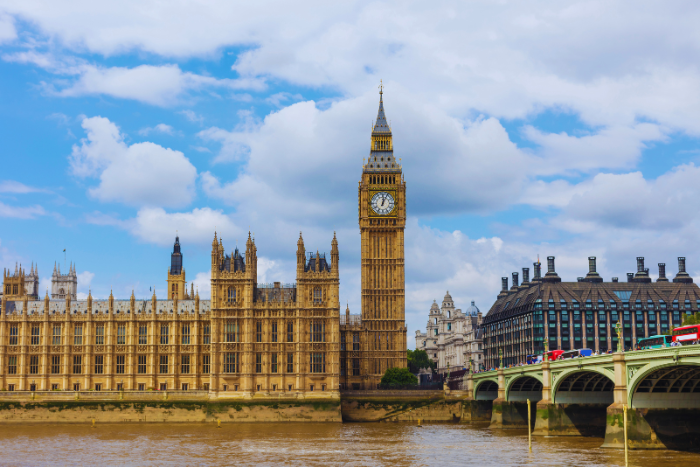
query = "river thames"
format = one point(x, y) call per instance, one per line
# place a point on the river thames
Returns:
point(308, 444)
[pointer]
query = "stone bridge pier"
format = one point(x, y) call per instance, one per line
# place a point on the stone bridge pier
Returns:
point(586, 397)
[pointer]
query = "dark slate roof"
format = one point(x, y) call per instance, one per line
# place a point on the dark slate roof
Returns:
point(524, 299)
point(176, 259)
point(381, 126)
point(382, 161)
point(323, 264)
point(235, 263)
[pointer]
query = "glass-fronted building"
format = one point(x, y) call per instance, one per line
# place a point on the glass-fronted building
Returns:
point(584, 314)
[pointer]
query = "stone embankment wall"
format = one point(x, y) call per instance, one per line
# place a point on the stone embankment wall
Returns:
point(159, 407)
point(200, 406)
point(411, 406)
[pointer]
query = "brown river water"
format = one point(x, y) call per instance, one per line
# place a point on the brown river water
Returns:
point(308, 444)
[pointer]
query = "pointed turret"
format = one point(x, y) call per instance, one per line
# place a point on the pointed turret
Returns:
point(54, 268)
point(335, 256)
point(381, 157)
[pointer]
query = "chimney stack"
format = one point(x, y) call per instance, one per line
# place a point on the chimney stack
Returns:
point(504, 287)
point(642, 273)
point(526, 275)
point(662, 273)
point(592, 275)
point(579, 279)
point(682, 276)
point(537, 271)
point(515, 281)
point(630, 277)
point(614, 279)
point(551, 275)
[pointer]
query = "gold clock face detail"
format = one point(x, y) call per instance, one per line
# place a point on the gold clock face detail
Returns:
point(382, 203)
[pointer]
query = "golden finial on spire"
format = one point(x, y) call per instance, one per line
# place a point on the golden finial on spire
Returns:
point(381, 87)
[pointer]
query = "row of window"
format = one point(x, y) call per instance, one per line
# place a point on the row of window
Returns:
point(624, 297)
point(317, 333)
point(577, 315)
point(230, 361)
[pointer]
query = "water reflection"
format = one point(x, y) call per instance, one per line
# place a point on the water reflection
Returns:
point(308, 444)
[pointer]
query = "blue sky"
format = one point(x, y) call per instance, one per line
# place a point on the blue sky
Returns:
point(524, 128)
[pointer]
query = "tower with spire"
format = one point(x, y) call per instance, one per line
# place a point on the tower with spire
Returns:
point(64, 285)
point(382, 220)
point(177, 284)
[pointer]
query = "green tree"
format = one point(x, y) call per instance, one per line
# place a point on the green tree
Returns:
point(692, 319)
point(396, 378)
point(418, 359)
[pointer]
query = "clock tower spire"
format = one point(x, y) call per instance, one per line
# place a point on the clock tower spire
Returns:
point(382, 220)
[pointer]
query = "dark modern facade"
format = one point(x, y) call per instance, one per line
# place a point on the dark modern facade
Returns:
point(583, 314)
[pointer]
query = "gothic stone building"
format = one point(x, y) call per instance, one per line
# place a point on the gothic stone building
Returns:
point(452, 338)
point(249, 339)
point(583, 314)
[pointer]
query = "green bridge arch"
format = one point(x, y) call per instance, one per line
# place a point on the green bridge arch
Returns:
point(561, 377)
point(639, 374)
point(515, 378)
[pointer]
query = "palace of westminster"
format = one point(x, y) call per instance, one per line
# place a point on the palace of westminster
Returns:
point(248, 339)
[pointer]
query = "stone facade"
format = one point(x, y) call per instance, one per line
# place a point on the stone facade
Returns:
point(452, 338)
point(20, 283)
point(64, 285)
point(376, 340)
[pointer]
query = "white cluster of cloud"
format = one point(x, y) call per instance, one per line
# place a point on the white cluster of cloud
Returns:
point(138, 174)
point(159, 128)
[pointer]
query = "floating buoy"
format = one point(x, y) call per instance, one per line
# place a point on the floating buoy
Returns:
point(219, 423)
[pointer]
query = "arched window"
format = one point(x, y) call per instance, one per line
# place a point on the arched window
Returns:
point(231, 295)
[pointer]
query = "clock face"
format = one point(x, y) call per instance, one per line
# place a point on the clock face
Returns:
point(382, 203)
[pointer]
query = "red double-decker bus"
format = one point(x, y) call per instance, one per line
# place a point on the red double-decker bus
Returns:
point(552, 355)
point(686, 334)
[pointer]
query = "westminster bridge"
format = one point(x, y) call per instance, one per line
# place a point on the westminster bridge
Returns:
point(585, 397)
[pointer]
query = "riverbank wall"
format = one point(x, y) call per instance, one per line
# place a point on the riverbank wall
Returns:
point(412, 406)
point(201, 406)
point(165, 407)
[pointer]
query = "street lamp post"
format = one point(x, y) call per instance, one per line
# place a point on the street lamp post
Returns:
point(618, 328)
point(546, 348)
point(500, 357)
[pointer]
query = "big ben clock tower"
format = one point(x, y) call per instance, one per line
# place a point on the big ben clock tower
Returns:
point(382, 218)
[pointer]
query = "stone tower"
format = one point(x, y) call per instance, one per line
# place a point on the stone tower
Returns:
point(63, 285)
point(177, 286)
point(19, 284)
point(382, 219)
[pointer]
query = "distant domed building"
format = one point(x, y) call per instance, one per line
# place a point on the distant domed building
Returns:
point(452, 337)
